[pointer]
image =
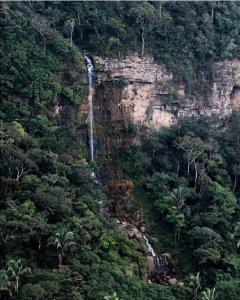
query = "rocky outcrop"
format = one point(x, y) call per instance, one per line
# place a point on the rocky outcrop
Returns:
point(225, 95)
point(160, 267)
point(139, 91)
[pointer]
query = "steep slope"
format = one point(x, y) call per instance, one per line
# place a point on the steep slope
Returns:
point(56, 241)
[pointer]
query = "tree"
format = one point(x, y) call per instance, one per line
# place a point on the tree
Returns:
point(145, 16)
point(178, 219)
point(206, 244)
point(16, 269)
point(179, 196)
point(160, 3)
point(69, 28)
point(193, 147)
point(209, 294)
point(172, 206)
point(237, 234)
point(16, 163)
point(229, 289)
point(33, 291)
point(236, 173)
point(195, 283)
point(221, 204)
point(4, 281)
point(42, 26)
point(62, 240)
point(213, 4)
point(111, 297)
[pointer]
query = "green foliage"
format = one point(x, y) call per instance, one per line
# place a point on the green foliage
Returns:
point(185, 36)
point(209, 294)
point(185, 184)
point(228, 289)
point(187, 176)
point(112, 297)
point(62, 240)
point(49, 212)
point(33, 291)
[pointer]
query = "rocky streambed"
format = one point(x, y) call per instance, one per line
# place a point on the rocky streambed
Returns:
point(160, 266)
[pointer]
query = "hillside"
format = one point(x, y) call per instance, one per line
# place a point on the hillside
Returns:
point(156, 215)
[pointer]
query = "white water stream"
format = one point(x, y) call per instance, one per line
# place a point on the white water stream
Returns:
point(90, 69)
point(149, 247)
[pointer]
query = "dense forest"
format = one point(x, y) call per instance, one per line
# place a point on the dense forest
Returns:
point(58, 239)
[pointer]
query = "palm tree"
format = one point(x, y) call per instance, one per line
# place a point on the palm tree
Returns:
point(62, 240)
point(4, 281)
point(112, 297)
point(179, 197)
point(209, 294)
point(195, 283)
point(15, 269)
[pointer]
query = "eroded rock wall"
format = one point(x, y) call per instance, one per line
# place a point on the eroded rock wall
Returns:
point(139, 91)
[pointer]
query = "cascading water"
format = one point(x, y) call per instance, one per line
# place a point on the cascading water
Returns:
point(149, 247)
point(161, 262)
point(90, 69)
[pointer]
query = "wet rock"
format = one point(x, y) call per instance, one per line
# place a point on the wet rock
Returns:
point(150, 265)
point(160, 268)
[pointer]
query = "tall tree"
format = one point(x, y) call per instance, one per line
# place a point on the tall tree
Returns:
point(16, 269)
point(145, 16)
point(62, 240)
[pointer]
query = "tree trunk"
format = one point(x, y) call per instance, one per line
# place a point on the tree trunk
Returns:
point(188, 168)
point(39, 243)
point(178, 166)
point(60, 259)
point(44, 46)
point(143, 42)
point(212, 14)
point(196, 174)
point(160, 10)
point(235, 183)
point(17, 283)
point(212, 10)
point(71, 42)
point(78, 17)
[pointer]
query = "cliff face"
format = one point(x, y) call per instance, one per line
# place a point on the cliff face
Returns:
point(141, 92)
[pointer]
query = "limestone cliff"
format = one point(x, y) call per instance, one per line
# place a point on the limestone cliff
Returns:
point(139, 91)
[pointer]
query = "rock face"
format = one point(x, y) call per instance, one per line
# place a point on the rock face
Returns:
point(159, 266)
point(139, 91)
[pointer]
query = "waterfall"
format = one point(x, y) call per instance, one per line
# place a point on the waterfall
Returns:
point(162, 264)
point(90, 70)
point(149, 247)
